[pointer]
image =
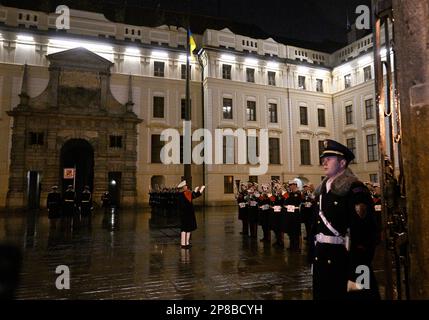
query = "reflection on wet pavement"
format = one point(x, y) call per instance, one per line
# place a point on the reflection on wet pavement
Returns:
point(121, 255)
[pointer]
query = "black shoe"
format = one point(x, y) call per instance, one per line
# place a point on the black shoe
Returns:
point(185, 246)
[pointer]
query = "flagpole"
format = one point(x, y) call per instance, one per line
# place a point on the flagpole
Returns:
point(187, 166)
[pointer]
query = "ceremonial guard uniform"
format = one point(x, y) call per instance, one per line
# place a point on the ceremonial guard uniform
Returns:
point(307, 209)
point(252, 211)
point(277, 217)
point(54, 203)
point(242, 210)
point(69, 202)
point(85, 202)
point(264, 204)
point(345, 213)
point(292, 216)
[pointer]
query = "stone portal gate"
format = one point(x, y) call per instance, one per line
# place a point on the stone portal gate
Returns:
point(74, 121)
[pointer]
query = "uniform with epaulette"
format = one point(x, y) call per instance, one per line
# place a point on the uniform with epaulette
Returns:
point(344, 230)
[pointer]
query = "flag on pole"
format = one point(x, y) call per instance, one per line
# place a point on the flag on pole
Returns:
point(192, 43)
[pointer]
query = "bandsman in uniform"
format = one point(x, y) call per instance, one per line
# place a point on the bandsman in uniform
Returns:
point(242, 209)
point(252, 210)
point(264, 204)
point(277, 217)
point(53, 203)
point(188, 222)
point(291, 204)
point(307, 208)
point(344, 229)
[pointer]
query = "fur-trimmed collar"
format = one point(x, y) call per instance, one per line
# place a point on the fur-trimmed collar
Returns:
point(341, 185)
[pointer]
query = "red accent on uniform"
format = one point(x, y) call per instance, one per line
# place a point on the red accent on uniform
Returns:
point(188, 195)
point(286, 195)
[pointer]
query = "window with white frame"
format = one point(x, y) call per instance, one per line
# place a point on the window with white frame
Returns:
point(158, 69)
point(272, 110)
point(251, 111)
point(319, 85)
point(271, 78)
point(227, 108)
point(226, 71)
point(347, 81)
point(250, 75)
point(301, 82)
point(367, 75)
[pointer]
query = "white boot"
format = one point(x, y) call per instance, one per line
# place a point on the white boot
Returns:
point(183, 238)
point(188, 236)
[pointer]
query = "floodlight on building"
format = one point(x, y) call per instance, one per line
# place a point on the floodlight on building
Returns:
point(272, 65)
point(302, 69)
point(365, 60)
point(132, 51)
point(70, 44)
point(24, 38)
point(383, 52)
point(227, 57)
point(159, 54)
point(251, 61)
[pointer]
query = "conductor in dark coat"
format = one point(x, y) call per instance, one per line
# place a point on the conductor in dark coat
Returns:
point(344, 231)
point(188, 222)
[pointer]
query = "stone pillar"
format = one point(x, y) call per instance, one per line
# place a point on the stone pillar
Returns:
point(412, 56)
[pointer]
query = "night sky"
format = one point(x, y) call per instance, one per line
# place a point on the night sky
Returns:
point(314, 21)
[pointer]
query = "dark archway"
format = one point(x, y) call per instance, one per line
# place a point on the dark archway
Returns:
point(79, 154)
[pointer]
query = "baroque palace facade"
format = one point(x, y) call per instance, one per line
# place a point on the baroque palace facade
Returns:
point(97, 96)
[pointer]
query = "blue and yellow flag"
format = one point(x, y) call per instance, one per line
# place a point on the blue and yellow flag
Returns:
point(192, 43)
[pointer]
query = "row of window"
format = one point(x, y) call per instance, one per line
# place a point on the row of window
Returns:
point(38, 139)
point(273, 149)
point(369, 111)
point(159, 66)
point(158, 107)
point(228, 149)
point(367, 75)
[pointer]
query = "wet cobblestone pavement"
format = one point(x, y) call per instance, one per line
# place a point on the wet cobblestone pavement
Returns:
point(132, 260)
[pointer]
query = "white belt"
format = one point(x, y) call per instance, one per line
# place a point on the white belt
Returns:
point(321, 238)
point(307, 204)
point(277, 208)
point(265, 207)
point(377, 207)
point(291, 208)
point(242, 204)
point(253, 203)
